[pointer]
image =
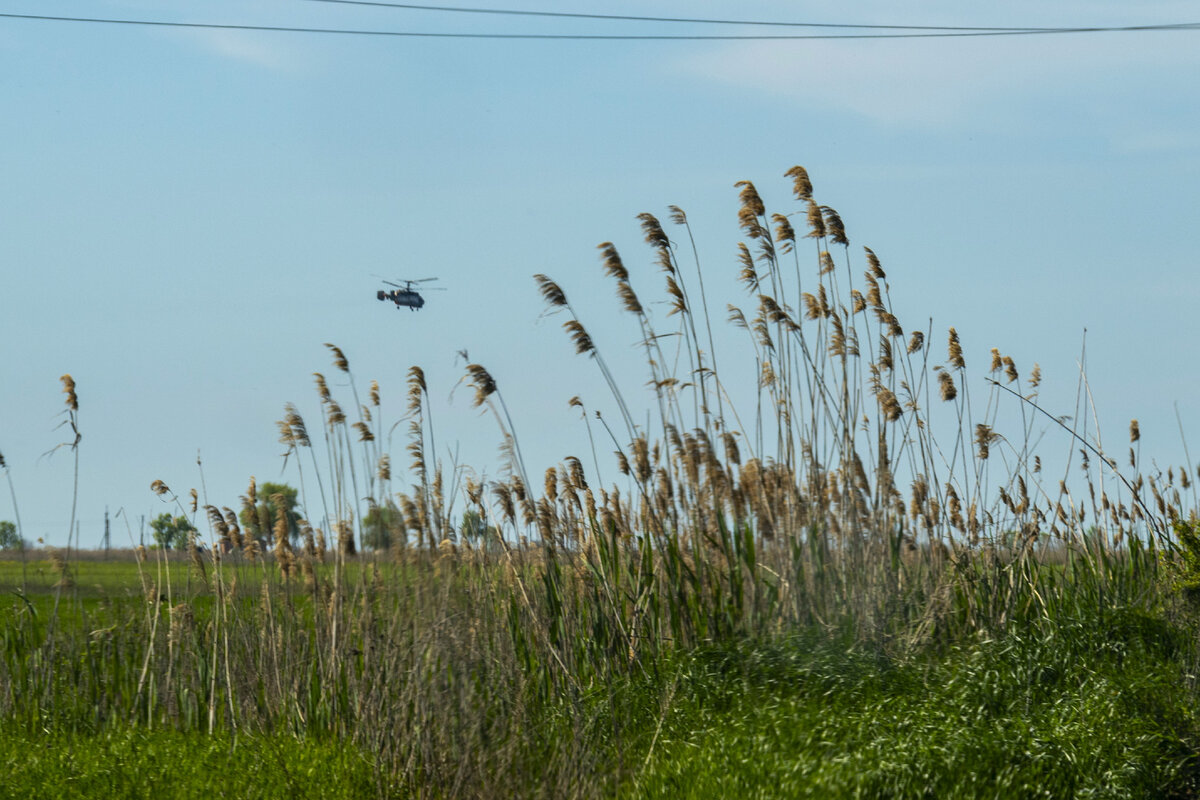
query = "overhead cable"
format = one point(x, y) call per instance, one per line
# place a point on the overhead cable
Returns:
point(685, 20)
point(603, 37)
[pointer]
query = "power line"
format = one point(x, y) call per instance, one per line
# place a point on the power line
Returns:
point(604, 37)
point(687, 20)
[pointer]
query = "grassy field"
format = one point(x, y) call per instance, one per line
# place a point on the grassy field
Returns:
point(1095, 703)
point(831, 602)
point(138, 763)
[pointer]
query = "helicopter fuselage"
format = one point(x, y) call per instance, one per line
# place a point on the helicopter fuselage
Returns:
point(402, 298)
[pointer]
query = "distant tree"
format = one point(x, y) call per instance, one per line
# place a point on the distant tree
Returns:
point(474, 529)
point(171, 533)
point(261, 523)
point(8, 536)
point(382, 526)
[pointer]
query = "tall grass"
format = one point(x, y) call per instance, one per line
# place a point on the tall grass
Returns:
point(523, 636)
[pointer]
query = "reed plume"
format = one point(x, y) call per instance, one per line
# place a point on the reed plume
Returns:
point(69, 390)
point(816, 223)
point(955, 351)
point(801, 185)
point(483, 382)
point(873, 261)
point(551, 292)
point(834, 226)
point(946, 386)
point(339, 358)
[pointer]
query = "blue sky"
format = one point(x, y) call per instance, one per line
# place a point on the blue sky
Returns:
point(186, 216)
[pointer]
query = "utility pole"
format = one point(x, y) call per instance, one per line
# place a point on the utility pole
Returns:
point(142, 532)
point(107, 541)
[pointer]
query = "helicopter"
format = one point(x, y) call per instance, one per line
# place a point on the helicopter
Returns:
point(406, 295)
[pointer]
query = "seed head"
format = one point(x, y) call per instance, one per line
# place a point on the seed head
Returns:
point(956, 354)
point(628, 298)
point(550, 290)
point(833, 224)
point(750, 199)
point(916, 342)
point(946, 384)
point(69, 390)
point(889, 404)
point(482, 380)
point(641, 458)
point(339, 358)
point(801, 185)
point(827, 265)
point(613, 266)
point(295, 424)
point(873, 260)
point(885, 360)
point(858, 303)
point(748, 275)
point(1010, 369)
point(575, 471)
point(285, 434)
point(653, 231)
point(416, 386)
point(784, 232)
point(579, 335)
point(983, 439)
point(335, 414)
point(731, 448)
point(874, 298)
point(816, 223)
point(322, 388)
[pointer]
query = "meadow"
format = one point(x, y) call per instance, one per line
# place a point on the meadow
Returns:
point(872, 589)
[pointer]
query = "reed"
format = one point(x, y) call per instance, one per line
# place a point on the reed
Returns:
point(527, 648)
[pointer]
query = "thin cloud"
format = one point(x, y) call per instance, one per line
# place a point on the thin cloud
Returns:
point(248, 47)
point(942, 84)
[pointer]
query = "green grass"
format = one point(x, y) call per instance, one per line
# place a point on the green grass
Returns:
point(1097, 708)
point(1090, 708)
point(124, 762)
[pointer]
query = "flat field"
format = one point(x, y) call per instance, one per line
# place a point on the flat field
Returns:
point(1102, 705)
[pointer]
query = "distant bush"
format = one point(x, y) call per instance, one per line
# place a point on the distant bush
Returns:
point(9, 540)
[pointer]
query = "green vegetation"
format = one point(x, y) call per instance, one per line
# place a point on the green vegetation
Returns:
point(381, 526)
point(1092, 709)
point(276, 507)
point(137, 763)
point(171, 532)
point(829, 601)
point(9, 539)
